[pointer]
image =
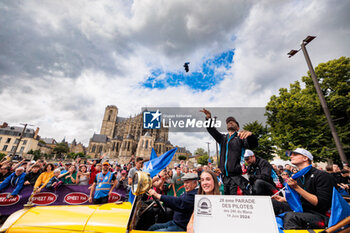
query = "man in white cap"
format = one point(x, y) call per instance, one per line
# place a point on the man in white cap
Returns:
point(315, 189)
point(182, 205)
point(260, 174)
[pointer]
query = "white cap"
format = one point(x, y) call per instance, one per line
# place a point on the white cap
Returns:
point(248, 153)
point(303, 152)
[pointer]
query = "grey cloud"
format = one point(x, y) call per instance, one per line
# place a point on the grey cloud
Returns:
point(182, 27)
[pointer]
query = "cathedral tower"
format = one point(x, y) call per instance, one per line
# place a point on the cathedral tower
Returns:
point(109, 121)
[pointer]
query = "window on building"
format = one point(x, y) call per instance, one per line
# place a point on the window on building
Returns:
point(13, 148)
point(146, 144)
point(8, 140)
point(128, 146)
point(25, 142)
point(100, 149)
point(93, 149)
point(17, 141)
point(4, 148)
point(0, 139)
point(22, 149)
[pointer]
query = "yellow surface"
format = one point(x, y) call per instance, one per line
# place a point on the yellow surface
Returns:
point(74, 218)
point(81, 218)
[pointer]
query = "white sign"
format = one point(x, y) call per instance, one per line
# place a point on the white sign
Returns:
point(247, 214)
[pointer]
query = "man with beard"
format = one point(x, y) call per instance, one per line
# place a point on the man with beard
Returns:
point(232, 148)
point(104, 183)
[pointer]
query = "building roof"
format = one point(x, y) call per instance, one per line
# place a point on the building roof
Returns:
point(49, 140)
point(121, 119)
point(99, 138)
point(16, 131)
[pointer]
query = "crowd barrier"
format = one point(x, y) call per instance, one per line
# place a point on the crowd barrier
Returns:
point(64, 195)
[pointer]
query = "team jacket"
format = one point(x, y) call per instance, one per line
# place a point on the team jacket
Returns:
point(14, 181)
point(231, 150)
point(182, 206)
point(261, 169)
point(321, 184)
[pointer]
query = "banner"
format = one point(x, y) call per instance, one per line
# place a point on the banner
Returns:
point(64, 195)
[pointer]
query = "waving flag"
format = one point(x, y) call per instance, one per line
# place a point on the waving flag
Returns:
point(153, 154)
point(154, 166)
point(293, 198)
point(340, 208)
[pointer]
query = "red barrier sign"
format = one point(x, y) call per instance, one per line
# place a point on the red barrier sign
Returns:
point(76, 198)
point(44, 198)
point(4, 201)
point(113, 197)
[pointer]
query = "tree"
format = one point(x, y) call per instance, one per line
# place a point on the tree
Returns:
point(61, 148)
point(200, 152)
point(2, 155)
point(182, 157)
point(203, 156)
point(203, 160)
point(297, 119)
point(36, 154)
point(265, 149)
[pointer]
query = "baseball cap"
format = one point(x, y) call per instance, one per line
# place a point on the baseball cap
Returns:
point(123, 172)
point(248, 153)
point(189, 176)
point(105, 163)
point(303, 152)
point(231, 118)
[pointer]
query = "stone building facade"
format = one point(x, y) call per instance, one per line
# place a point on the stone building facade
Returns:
point(123, 137)
point(10, 139)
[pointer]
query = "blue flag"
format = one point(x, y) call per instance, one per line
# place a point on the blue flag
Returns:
point(340, 208)
point(153, 154)
point(154, 166)
point(293, 198)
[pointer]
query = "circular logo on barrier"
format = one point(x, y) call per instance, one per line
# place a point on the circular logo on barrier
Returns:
point(4, 201)
point(76, 198)
point(44, 198)
point(204, 207)
point(114, 197)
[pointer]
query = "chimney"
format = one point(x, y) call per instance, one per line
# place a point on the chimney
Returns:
point(4, 125)
point(36, 133)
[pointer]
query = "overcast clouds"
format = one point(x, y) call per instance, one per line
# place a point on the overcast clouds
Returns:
point(63, 62)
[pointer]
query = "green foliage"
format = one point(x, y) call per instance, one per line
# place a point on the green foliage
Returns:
point(61, 148)
point(265, 149)
point(2, 155)
point(73, 155)
point(297, 118)
point(203, 160)
point(200, 151)
point(182, 157)
point(42, 142)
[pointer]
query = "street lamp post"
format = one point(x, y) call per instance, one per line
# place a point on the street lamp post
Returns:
point(19, 140)
point(320, 96)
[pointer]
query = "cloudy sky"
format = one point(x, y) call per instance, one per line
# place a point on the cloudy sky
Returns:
point(63, 62)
